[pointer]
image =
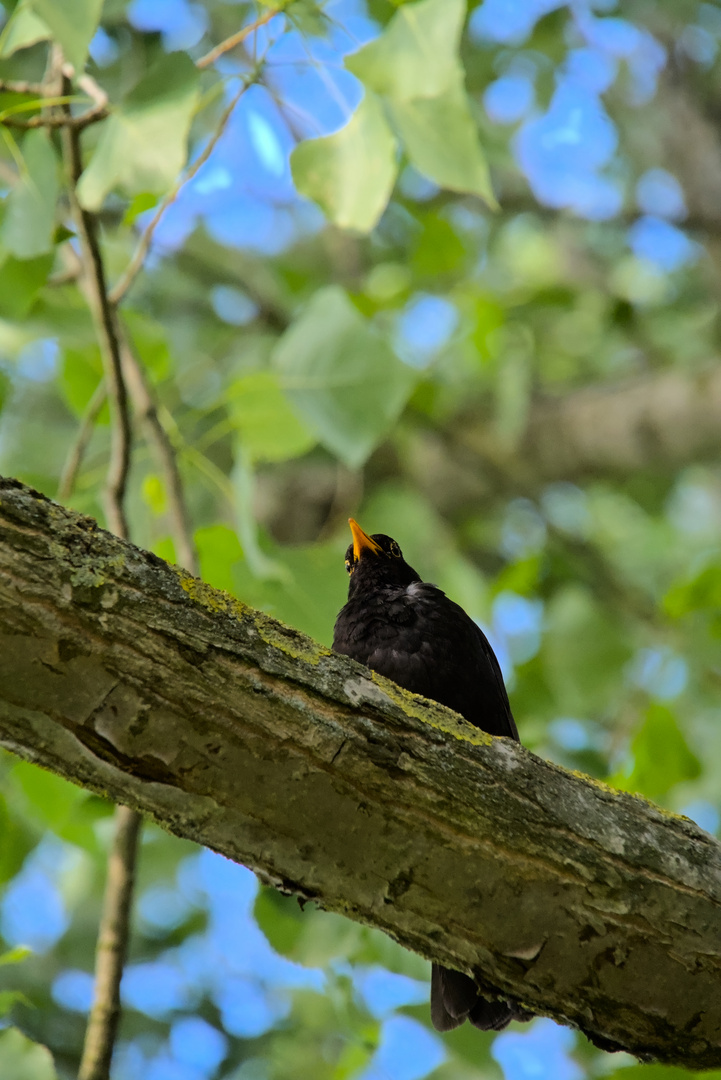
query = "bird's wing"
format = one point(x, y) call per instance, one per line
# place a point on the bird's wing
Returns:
point(498, 675)
point(448, 658)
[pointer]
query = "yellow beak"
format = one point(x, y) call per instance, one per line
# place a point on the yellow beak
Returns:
point(361, 541)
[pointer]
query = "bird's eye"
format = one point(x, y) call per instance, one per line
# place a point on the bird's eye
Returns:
point(349, 566)
point(395, 550)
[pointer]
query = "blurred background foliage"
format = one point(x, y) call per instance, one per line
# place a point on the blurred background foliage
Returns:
point(349, 327)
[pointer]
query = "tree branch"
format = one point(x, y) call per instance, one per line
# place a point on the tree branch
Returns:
point(103, 317)
point(112, 947)
point(147, 411)
point(236, 39)
point(130, 677)
point(57, 120)
point(21, 86)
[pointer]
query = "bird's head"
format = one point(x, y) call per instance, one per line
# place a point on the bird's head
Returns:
point(375, 560)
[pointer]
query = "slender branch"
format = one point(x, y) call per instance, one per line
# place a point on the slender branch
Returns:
point(63, 277)
point(77, 123)
point(94, 274)
point(236, 39)
point(76, 453)
point(147, 410)
point(112, 947)
point(92, 88)
point(114, 930)
point(121, 287)
point(49, 117)
point(19, 86)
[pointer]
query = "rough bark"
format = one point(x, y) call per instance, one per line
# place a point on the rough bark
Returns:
point(132, 678)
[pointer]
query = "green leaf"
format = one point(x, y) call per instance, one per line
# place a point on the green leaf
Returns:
point(62, 233)
point(18, 839)
point(29, 225)
point(57, 804)
point(660, 754)
point(24, 28)
point(262, 567)
point(416, 56)
point(487, 317)
point(356, 1055)
point(218, 551)
point(150, 340)
point(72, 24)
point(154, 493)
point(350, 174)
point(341, 377)
point(165, 548)
point(310, 937)
point(514, 386)
point(583, 653)
point(280, 918)
point(20, 282)
point(440, 138)
point(659, 1072)
point(143, 146)
point(138, 205)
point(327, 937)
point(697, 594)
point(16, 955)
point(439, 249)
point(10, 998)
point(268, 427)
point(80, 374)
point(308, 595)
point(24, 1060)
point(415, 65)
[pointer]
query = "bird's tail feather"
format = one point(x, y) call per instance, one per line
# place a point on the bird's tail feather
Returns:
point(455, 997)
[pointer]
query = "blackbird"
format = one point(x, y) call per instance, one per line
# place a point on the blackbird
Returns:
point(409, 631)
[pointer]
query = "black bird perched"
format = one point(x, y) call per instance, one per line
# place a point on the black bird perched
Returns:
point(409, 631)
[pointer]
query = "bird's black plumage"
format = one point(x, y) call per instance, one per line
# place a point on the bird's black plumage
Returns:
point(409, 631)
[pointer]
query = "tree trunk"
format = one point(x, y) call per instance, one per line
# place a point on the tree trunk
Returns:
point(132, 678)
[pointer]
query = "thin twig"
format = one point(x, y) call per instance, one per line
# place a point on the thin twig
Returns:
point(54, 119)
point(18, 86)
point(147, 410)
point(63, 277)
point(94, 273)
point(236, 39)
point(76, 453)
point(92, 88)
point(117, 293)
point(77, 123)
point(114, 931)
point(112, 948)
